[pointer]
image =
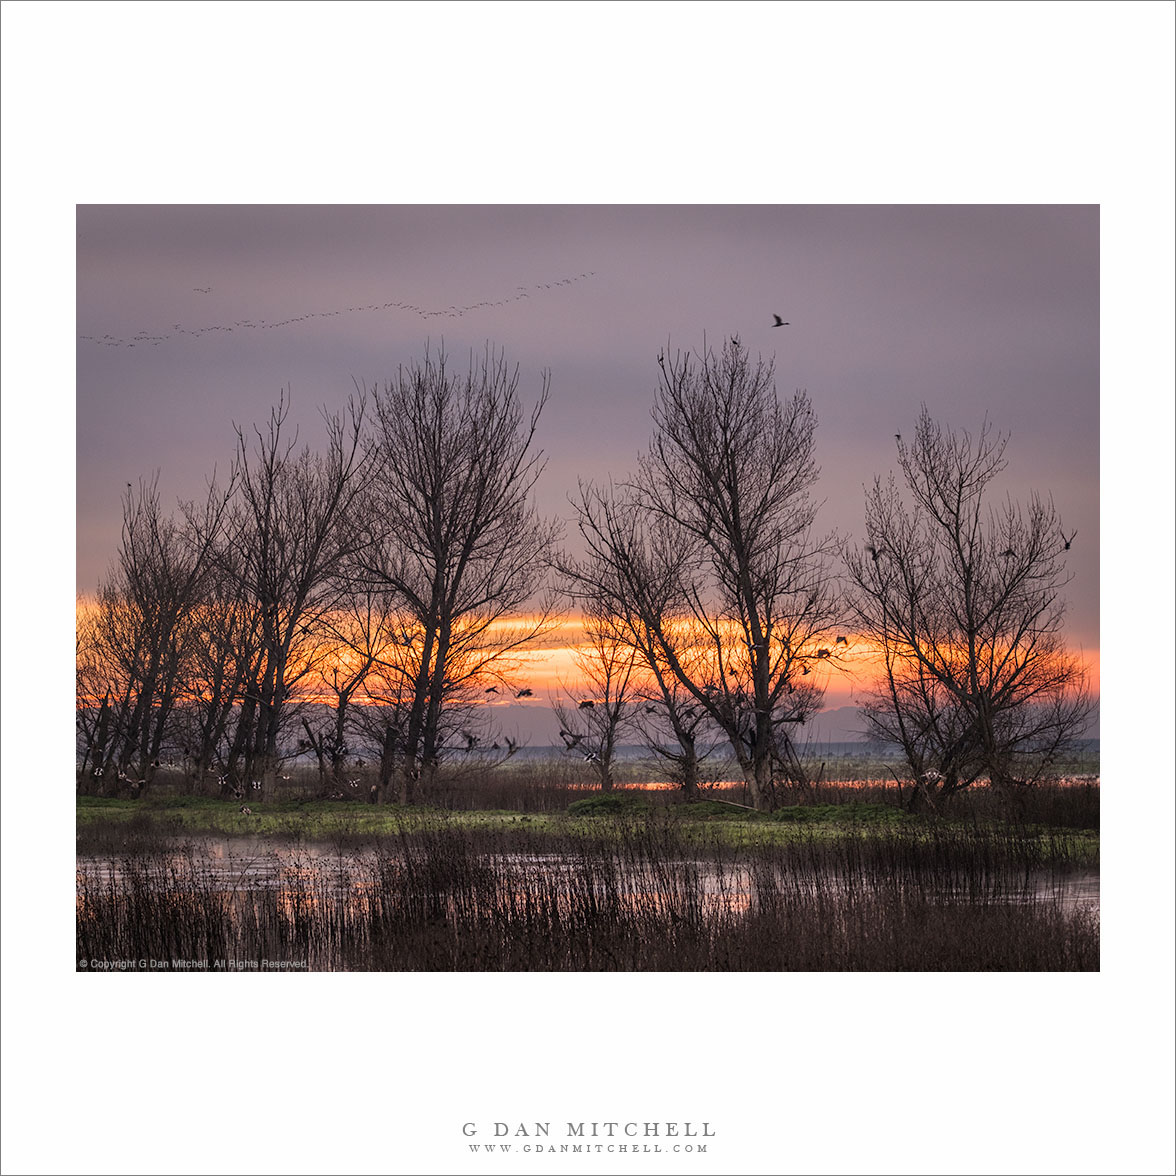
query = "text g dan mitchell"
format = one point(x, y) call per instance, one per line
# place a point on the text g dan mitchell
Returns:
point(608, 1129)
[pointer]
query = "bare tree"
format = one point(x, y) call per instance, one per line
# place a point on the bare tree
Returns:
point(593, 717)
point(93, 698)
point(710, 557)
point(358, 642)
point(224, 655)
point(964, 601)
point(666, 704)
point(634, 575)
point(380, 633)
point(450, 531)
point(286, 543)
point(139, 637)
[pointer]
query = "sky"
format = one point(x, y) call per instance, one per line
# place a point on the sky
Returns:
point(193, 318)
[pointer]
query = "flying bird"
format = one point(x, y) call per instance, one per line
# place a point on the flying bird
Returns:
point(780, 322)
point(651, 710)
point(471, 740)
point(587, 704)
point(491, 689)
point(571, 739)
point(523, 694)
point(841, 641)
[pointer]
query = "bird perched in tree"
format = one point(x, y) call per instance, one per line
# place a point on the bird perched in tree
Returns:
point(780, 322)
point(1066, 541)
point(1008, 553)
point(873, 553)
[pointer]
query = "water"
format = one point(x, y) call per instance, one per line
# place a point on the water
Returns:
point(242, 864)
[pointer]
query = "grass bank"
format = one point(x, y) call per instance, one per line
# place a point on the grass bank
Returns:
point(114, 826)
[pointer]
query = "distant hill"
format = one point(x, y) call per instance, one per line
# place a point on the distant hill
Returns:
point(842, 724)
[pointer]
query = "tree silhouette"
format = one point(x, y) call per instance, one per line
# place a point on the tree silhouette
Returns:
point(285, 543)
point(607, 664)
point(965, 603)
point(709, 558)
point(449, 530)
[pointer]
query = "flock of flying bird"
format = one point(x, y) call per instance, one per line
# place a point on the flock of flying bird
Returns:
point(147, 339)
point(572, 739)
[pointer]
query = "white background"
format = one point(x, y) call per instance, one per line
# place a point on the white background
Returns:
point(594, 103)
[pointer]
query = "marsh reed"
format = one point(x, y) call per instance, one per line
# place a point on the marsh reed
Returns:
point(640, 896)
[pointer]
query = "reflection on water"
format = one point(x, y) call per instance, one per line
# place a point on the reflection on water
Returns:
point(311, 873)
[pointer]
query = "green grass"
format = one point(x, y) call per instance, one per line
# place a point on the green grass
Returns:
point(111, 825)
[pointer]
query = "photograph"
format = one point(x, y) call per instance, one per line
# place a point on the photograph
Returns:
point(588, 588)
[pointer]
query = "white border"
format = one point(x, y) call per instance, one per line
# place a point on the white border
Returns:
point(733, 102)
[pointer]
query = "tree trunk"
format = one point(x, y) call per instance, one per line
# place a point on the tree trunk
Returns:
point(387, 759)
point(758, 775)
point(408, 779)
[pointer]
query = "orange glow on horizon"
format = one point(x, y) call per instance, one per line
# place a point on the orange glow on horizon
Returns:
point(550, 666)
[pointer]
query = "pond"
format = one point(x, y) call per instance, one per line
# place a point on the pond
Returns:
point(256, 864)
